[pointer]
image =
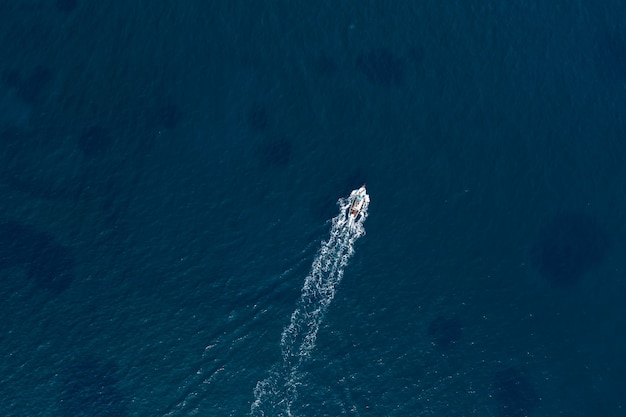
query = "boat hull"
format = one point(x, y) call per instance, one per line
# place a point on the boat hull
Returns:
point(359, 201)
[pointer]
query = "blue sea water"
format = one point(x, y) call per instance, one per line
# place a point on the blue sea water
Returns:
point(169, 172)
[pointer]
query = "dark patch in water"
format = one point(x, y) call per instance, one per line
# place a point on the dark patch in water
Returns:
point(66, 6)
point(45, 188)
point(445, 332)
point(325, 65)
point(90, 390)
point(31, 88)
point(169, 116)
point(11, 138)
point(275, 152)
point(257, 117)
point(570, 245)
point(96, 140)
point(34, 86)
point(611, 56)
point(11, 78)
point(50, 265)
point(416, 55)
point(381, 67)
point(515, 395)
point(53, 268)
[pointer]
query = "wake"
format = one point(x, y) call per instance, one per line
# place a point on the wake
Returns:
point(275, 395)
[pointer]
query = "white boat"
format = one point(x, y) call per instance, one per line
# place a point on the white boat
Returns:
point(359, 201)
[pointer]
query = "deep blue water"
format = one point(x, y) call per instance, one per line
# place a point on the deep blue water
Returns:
point(169, 170)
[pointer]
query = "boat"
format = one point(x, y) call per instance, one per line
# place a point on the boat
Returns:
point(360, 200)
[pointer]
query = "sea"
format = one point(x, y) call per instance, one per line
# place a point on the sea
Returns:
point(174, 179)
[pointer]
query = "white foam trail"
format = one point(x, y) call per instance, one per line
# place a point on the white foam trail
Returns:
point(275, 395)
